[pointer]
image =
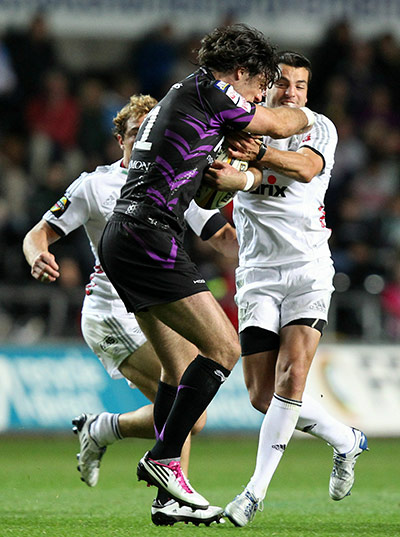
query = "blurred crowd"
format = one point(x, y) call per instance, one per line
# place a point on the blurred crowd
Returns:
point(56, 123)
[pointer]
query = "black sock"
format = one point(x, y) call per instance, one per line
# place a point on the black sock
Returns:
point(198, 386)
point(162, 405)
point(165, 398)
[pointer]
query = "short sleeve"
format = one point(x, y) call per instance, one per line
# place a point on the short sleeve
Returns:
point(72, 210)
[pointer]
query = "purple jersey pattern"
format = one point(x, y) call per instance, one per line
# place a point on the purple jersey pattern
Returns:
point(182, 134)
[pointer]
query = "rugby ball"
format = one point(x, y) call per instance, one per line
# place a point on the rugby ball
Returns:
point(208, 197)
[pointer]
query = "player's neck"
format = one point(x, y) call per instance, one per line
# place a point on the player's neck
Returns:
point(229, 78)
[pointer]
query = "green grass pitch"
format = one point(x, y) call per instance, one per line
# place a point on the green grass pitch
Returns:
point(41, 494)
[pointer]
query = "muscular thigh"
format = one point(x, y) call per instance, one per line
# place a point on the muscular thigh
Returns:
point(174, 352)
point(201, 320)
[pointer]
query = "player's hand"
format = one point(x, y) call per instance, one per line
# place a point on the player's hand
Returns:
point(244, 146)
point(45, 268)
point(222, 176)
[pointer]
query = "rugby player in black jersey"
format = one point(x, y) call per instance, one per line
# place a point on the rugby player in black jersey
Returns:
point(141, 249)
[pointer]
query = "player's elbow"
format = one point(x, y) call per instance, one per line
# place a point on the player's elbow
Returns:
point(305, 176)
point(308, 170)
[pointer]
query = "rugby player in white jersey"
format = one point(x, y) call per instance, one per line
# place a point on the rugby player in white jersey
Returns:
point(284, 286)
point(111, 332)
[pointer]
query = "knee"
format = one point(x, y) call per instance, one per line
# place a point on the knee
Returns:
point(200, 423)
point(227, 353)
point(291, 375)
point(259, 400)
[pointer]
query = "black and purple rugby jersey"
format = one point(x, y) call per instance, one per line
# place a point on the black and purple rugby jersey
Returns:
point(176, 142)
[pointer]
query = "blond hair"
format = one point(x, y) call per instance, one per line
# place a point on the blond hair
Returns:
point(138, 106)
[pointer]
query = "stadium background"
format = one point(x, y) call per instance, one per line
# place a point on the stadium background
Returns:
point(66, 67)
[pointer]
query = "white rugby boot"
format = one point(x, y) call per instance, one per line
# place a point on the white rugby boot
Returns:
point(342, 476)
point(169, 513)
point(243, 508)
point(170, 477)
point(91, 453)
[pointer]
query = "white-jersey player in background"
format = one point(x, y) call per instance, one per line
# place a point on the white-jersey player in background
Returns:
point(111, 332)
point(284, 287)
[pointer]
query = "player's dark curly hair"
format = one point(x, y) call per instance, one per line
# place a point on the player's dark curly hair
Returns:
point(228, 48)
point(295, 59)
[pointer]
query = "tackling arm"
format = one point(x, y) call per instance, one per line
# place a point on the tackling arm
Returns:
point(280, 122)
point(301, 165)
point(36, 250)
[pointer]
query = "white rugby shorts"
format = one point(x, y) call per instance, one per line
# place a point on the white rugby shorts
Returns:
point(112, 338)
point(272, 297)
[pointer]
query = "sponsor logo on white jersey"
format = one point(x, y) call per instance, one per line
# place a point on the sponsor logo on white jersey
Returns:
point(275, 191)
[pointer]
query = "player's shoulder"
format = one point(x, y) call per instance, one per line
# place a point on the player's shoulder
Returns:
point(323, 121)
point(101, 173)
point(104, 170)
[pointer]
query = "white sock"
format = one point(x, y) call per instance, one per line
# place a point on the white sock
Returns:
point(105, 430)
point(315, 420)
point(276, 430)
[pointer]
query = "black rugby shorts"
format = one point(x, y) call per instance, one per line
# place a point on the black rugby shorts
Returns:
point(147, 266)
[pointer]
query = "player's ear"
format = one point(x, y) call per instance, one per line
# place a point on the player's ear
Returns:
point(239, 72)
point(120, 141)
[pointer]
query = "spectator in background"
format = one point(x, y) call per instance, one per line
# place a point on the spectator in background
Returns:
point(93, 135)
point(33, 54)
point(375, 184)
point(387, 64)
point(390, 224)
point(8, 78)
point(337, 100)
point(351, 155)
point(391, 304)
point(328, 58)
point(359, 71)
point(117, 93)
point(15, 201)
point(52, 117)
point(54, 112)
point(153, 60)
point(8, 85)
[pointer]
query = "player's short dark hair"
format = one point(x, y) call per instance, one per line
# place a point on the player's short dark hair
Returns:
point(228, 48)
point(295, 59)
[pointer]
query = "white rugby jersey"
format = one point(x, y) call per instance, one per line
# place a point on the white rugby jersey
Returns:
point(283, 220)
point(89, 201)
